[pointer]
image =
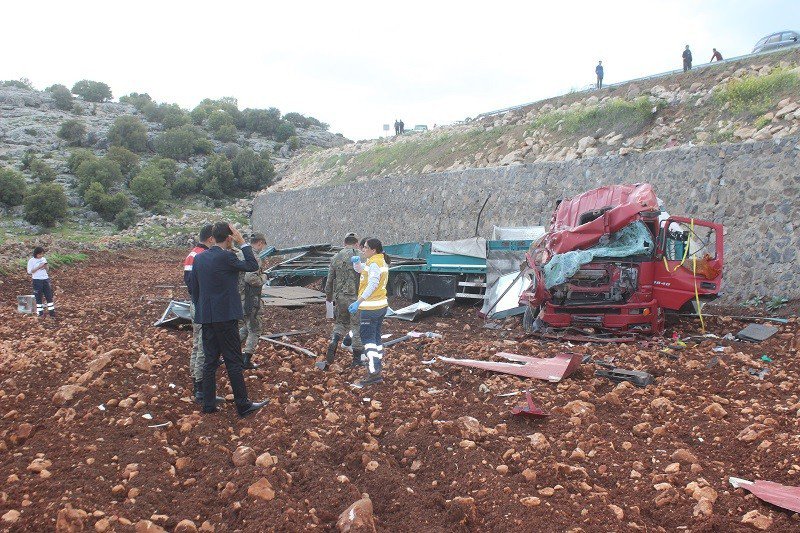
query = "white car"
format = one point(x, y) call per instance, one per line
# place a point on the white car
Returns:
point(777, 40)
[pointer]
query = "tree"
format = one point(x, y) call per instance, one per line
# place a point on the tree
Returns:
point(126, 218)
point(253, 172)
point(220, 169)
point(46, 204)
point(173, 116)
point(137, 100)
point(41, 170)
point(128, 132)
point(226, 133)
point(285, 130)
point(149, 187)
point(92, 91)
point(62, 97)
point(218, 119)
point(128, 161)
point(175, 144)
point(263, 121)
point(72, 130)
point(101, 170)
point(77, 157)
point(12, 187)
point(185, 184)
point(22, 83)
point(164, 167)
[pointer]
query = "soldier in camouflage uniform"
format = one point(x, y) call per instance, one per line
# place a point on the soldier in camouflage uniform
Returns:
point(250, 284)
point(341, 288)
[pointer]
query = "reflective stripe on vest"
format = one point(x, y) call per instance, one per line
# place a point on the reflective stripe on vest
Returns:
point(376, 300)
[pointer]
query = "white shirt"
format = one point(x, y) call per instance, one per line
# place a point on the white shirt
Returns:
point(41, 273)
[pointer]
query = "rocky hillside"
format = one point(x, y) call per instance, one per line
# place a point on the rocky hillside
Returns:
point(736, 101)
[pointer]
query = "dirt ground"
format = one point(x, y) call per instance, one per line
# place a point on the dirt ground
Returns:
point(78, 399)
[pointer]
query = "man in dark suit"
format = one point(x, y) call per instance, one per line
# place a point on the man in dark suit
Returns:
point(215, 293)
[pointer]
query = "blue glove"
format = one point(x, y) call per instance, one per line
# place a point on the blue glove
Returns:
point(355, 259)
point(353, 307)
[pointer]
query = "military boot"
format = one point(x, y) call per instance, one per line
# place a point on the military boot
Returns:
point(331, 355)
point(247, 362)
point(357, 362)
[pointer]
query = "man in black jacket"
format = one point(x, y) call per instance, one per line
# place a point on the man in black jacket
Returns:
point(214, 286)
point(687, 59)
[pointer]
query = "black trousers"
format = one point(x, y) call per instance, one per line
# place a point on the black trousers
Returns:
point(42, 288)
point(222, 338)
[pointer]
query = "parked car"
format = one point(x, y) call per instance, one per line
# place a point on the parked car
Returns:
point(776, 40)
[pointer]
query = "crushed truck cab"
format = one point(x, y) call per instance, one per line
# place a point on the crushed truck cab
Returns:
point(614, 261)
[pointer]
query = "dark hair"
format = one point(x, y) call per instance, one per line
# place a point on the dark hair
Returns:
point(38, 250)
point(363, 241)
point(375, 244)
point(221, 231)
point(205, 232)
point(351, 239)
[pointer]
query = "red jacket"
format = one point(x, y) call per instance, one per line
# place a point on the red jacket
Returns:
point(189, 262)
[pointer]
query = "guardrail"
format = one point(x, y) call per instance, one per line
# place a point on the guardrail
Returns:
point(634, 80)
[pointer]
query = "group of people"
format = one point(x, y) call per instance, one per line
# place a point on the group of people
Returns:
point(399, 127)
point(225, 288)
point(687, 64)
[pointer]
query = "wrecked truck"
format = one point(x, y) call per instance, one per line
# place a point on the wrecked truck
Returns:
point(613, 262)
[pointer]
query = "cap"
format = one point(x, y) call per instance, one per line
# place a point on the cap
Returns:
point(258, 237)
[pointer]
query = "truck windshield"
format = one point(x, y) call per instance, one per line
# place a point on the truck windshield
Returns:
point(683, 240)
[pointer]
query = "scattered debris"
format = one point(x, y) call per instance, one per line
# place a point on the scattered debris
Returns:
point(26, 304)
point(636, 377)
point(757, 333)
point(759, 373)
point(286, 334)
point(290, 346)
point(774, 493)
point(775, 319)
point(175, 315)
point(412, 335)
point(272, 296)
point(529, 408)
point(552, 369)
point(421, 310)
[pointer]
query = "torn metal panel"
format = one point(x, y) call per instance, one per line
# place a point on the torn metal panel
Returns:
point(420, 310)
point(291, 296)
point(473, 247)
point(502, 296)
point(636, 377)
point(783, 496)
point(290, 346)
point(529, 408)
point(26, 304)
point(175, 315)
point(551, 369)
point(412, 335)
point(757, 333)
point(581, 337)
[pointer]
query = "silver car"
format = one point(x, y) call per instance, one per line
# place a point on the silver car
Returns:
point(777, 40)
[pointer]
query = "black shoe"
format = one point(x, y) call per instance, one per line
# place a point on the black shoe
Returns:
point(247, 363)
point(357, 362)
point(252, 408)
point(209, 411)
point(371, 379)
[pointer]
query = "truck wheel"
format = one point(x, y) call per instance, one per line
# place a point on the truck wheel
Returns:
point(405, 286)
point(529, 318)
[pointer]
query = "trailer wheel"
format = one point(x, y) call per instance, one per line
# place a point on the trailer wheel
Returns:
point(529, 318)
point(405, 286)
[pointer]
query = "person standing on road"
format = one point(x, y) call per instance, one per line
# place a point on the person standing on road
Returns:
point(196, 358)
point(37, 268)
point(341, 288)
point(250, 288)
point(402, 127)
point(716, 56)
point(599, 71)
point(396, 127)
point(218, 307)
point(687, 59)
point(372, 303)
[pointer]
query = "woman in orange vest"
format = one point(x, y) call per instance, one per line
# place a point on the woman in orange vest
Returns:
point(373, 304)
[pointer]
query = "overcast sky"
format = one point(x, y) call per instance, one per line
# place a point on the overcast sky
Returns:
point(358, 65)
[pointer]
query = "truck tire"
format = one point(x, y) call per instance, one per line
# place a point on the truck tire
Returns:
point(405, 286)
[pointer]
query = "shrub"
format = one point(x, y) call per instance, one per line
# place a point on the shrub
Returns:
point(46, 204)
point(62, 97)
point(226, 133)
point(219, 169)
point(198, 115)
point(284, 131)
point(293, 142)
point(252, 171)
point(152, 112)
point(185, 184)
point(228, 104)
point(176, 144)
point(128, 132)
point(12, 187)
point(101, 170)
point(93, 196)
point(72, 130)
point(27, 158)
point(77, 109)
point(218, 119)
point(136, 100)
point(128, 161)
point(617, 114)
point(92, 91)
point(149, 187)
point(22, 83)
point(302, 121)
point(111, 205)
point(212, 189)
point(164, 167)
point(41, 171)
point(126, 218)
point(77, 157)
point(263, 121)
point(755, 95)
point(173, 116)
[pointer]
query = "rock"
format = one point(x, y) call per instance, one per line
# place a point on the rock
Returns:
point(744, 133)
point(547, 491)
point(182, 463)
point(530, 501)
point(65, 393)
point(462, 510)
point(704, 507)
point(185, 526)
point(261, 489)
point(11, 517)
point(207, 527)
point(357, 518)
point(70, 520)
point(144, 363)
point(682, 455)
point(577, 455)
point(662, 404)
point(146, 526)
point(102, 525)
point(265, 460)
point(585, 143)
point(757, 520)
point(786, 109)
point(512, 157)
point(502, 469)
point(617, 510)
point(243, 455)
point(529, 475)
point(539, 441)
point(672, 468)
point(228, 491)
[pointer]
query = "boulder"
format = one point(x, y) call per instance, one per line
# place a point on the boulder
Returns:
point(261, 489)
point(357, 518)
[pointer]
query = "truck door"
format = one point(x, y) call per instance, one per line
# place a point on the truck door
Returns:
point(688, 262)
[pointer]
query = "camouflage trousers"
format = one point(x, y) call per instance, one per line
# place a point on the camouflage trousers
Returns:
point(345, 323)
point(197, 357)
point(249, 330)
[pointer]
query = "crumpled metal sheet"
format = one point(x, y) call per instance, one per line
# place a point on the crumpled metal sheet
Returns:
point(757, 333)
point(529, 408)
point(551, 369)
point(175, 315)
point(420, 310)
point(781, 495)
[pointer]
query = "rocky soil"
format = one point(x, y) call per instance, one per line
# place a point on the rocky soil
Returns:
point(98, 432)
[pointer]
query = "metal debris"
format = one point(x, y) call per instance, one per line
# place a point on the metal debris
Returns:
point(290, 346)
point(757, 333)
point(636, 377)
point(175, 315)
point(551, 369)
point(781, 495)
point(421, 310)
point(529, 408)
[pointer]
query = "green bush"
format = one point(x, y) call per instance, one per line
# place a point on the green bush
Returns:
point(285, 130)
point(93, 195)
point(226, 133)
point(126, 218)
point(62, 97)
point(185, 184)
point(77, 157)
point(619, 115)
point(152, 112)
point(198, 115)
point(174, 116)
point(755, 95)
point(293, 142)
point(220, 169)
point(46, 205)
point(263, 121)
point(77, 109)
point(252, 172)
point(212, 189)
point(302, 121)
point(176, 144)
point(128, 161)
point(164, 167)
point(72, 130)
point(149, 187)
point(100, 170)
point(229, 105)
point(41, 171)
point(92, 91)
point(22, 83)
point(136, 100)
point(27, 158)
point(218, 119)
point(128, 132)
point(12, 187)
point(112, 204)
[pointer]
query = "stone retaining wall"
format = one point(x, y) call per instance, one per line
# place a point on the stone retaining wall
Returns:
point(752, 188)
